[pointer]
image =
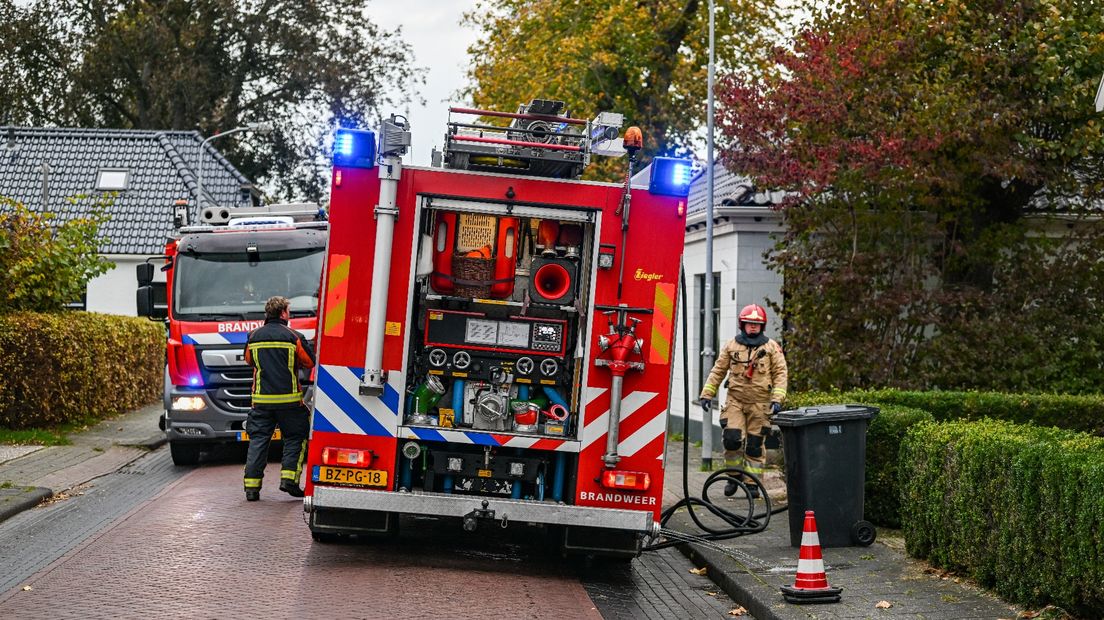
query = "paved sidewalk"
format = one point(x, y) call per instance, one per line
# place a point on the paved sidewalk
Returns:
point(29, 474)
point(751, 568)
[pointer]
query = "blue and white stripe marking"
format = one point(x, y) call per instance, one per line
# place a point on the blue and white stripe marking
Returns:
point(210, 338)
point(485, 438)
point(339, 407)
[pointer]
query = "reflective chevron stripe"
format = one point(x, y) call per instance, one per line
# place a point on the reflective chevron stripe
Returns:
point(339, 407)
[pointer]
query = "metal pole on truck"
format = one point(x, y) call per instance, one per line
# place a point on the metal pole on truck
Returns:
point(707, 354)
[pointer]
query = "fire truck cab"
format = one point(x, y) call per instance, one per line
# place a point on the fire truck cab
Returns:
point(496, 335)
point(219, 274)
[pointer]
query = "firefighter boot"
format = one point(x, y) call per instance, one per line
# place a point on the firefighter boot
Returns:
point(731, 486)
point(252, 489)
point(291, 487)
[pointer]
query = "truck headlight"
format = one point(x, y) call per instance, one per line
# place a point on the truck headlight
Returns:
point(188, 403)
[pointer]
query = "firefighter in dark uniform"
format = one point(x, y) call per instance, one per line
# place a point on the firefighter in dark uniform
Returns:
point(757, 382)
point(277, 353)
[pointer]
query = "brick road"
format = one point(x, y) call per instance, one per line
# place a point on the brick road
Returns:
point(198, 550)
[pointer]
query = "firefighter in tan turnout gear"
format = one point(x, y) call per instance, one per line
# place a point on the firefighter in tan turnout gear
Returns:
point(757, 378)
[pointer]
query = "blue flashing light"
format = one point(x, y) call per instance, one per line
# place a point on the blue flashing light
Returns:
point(671, 176)
point(354, 148)
point(343, 144)
point(193, 381)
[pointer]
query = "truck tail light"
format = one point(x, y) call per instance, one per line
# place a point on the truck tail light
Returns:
point(346, 457)
point(633, 480)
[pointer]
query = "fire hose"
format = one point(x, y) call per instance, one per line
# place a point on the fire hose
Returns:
point(737, 522)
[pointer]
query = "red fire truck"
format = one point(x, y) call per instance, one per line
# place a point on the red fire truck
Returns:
point(496, 334)
point(219, 274)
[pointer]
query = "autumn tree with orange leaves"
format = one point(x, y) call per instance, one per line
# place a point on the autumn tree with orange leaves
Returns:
point(643, 58)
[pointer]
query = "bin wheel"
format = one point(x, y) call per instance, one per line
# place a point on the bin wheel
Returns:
point(863, 533)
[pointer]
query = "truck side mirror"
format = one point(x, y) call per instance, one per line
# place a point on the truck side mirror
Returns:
point(147, 301)
point(145, 274)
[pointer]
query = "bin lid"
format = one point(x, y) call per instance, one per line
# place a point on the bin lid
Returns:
point(824, 413)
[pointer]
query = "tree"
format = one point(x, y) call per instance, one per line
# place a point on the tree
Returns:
point(643, 58)
point(207, 64)
point(921, 144)
point(44, 264)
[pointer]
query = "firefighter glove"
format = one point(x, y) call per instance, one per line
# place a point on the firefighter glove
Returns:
point(706, 404)
point(775, 408)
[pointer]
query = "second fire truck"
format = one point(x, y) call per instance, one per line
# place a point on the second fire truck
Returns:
point(219, 273)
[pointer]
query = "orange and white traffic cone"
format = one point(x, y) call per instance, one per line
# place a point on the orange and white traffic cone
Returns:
point(811, 585)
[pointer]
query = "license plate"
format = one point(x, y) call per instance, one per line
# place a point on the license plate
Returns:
point(244, 436)
point(350, 476)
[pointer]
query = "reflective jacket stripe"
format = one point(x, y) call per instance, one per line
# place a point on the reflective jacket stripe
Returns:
point(276, 399)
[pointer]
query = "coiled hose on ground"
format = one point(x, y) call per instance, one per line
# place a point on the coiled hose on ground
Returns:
point(738, 522)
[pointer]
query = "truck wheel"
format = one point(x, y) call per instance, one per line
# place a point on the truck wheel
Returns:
point(184, 454)
point(863, 533)
point(327, 538)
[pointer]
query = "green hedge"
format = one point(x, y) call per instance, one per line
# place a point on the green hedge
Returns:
point(883, 441)
point(76, 367)
point(1079, 413)
point(1018, 508)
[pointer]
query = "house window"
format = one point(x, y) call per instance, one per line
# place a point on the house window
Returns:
point(112, 179)
point(78, 304)
point(699, 285)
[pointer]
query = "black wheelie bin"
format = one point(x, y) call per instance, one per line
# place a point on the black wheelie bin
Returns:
point(825, 452)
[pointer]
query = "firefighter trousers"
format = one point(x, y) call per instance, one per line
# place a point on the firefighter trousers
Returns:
point(745, 428)
point(294, 424)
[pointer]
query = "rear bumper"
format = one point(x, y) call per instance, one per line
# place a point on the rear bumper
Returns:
point(508, 510)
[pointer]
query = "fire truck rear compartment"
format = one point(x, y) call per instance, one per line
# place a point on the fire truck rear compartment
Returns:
point(496, 333)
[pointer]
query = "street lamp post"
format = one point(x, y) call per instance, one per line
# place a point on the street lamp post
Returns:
point(261, 128)
point(707, 353)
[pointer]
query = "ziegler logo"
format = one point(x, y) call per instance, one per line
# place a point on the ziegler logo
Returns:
point(648, 277)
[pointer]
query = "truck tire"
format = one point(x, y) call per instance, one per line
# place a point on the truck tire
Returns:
point(328, 538)
point(184, 454)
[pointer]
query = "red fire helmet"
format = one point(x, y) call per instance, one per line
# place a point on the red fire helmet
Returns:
point(753, 313)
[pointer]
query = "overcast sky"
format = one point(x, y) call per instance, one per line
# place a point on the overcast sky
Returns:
point(440, 45)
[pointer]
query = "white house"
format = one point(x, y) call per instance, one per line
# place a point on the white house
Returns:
point(745, 226)
point(146, 171)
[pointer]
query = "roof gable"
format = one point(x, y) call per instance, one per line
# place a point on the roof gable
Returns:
point(47, 168)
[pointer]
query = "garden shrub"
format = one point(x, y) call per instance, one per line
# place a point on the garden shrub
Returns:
point(1016, 507)
point(61, 368)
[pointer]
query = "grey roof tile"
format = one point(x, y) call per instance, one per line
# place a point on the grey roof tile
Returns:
point(162, 168)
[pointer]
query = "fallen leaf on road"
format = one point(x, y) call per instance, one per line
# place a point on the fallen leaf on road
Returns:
point(739, 611)
point(711, 594)
point(1029, 614)
point(698, 571)
point(27, 588)
point(883, 605)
